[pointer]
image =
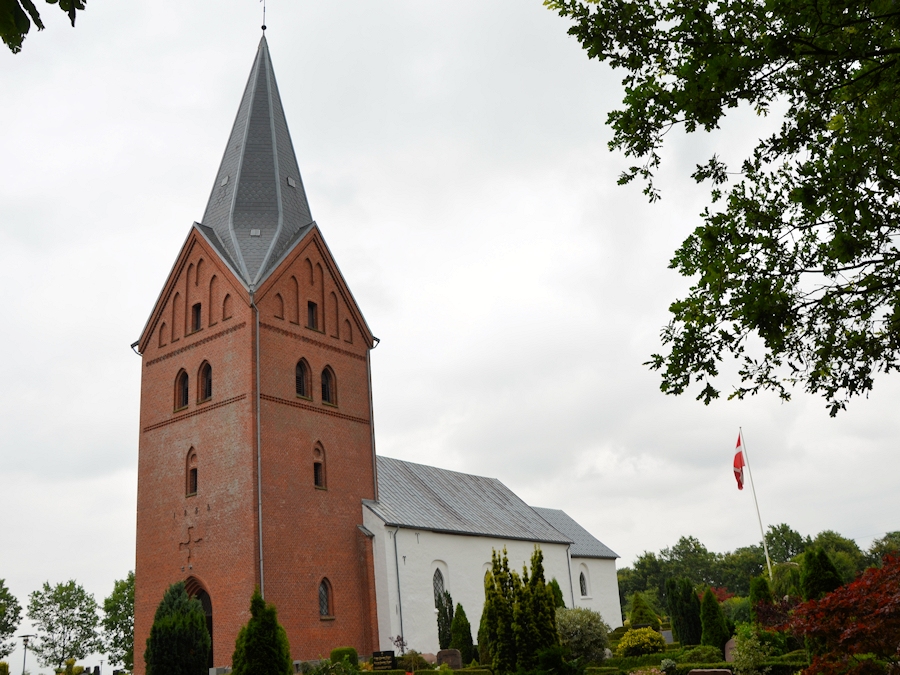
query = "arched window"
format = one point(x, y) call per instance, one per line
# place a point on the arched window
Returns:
point(582, 582)
point(226, 307)
point(182, 390)
point(329, 390)
point(301, 374)
point(325, 608)
point(205, 382)
point(191, 475)
point(319, 467)
point(437, 583)
point(196, 317)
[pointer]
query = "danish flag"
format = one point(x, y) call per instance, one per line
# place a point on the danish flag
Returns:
point(739, 464)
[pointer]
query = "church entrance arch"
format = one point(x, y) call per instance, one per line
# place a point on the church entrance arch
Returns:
point(196, 590)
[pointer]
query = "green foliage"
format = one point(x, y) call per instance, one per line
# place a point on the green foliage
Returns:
point(412, 661)
point(16, 17)
point(639, 642)
point(641, 614)
point(262, 645)
point(444, 606)
point(339, 654)
point(818, 575)
point(785, 543)
point(179, 642)
point(484, 648)
point(583, 632)
point(558, 600)
point(684, 609)
point(844, 553)
point(118, 623)
point(10, 615)
point(760, 592)
point(736, 610)
point(701, 654)
point(4, 668)
point(519, 614)
point(461, 635)
point(786, 580)
point(888, 544)
point(750, 654)
point(797, 248)
point(71, 668)
point(65, 618)
point(668, 666)
point(715, 632)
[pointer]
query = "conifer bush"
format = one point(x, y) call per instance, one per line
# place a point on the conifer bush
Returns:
point(461, 635)
point(640, 641)
point(715, 632)
point(818, 575)
point(179, 642)
point(641, 614)
point(701, 654)
point(262, 645)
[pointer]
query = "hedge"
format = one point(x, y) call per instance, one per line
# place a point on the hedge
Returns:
point(775, 667)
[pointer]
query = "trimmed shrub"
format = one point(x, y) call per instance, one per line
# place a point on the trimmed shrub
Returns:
point(262, 644)
point(702, 654)
point(412, 660)
point(179, 642)
point(715, 632)
point(641, 614)
point(461, 635)
point(583, 632)
point(337, 655)
point(639, 642)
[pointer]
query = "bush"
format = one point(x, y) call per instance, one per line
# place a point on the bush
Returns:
point(584, 632)
point(750, 654)
point(262, 644)
point(4, 668)
point(641, 614)
point(629, 663)
point(668, 666)
point(702, 654)
point(715, 631)
point(818, 575)
point(411, 661)
point(640, 641)
point(337, 655)
point(461, 635)
point(179, 642)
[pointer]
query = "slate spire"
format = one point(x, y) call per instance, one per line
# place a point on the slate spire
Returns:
point(258, 206)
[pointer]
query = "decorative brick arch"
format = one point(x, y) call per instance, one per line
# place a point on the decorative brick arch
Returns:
point(197, 589)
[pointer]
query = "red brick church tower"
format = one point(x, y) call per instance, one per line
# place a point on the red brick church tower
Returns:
point(256, 437)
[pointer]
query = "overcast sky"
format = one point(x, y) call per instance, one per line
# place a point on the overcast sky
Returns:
point(454, 155)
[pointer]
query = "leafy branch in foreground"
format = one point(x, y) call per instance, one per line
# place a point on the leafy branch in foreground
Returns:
point(16, 17)
point(798, 249)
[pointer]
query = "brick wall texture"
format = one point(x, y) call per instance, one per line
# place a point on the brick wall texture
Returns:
point(309, 534)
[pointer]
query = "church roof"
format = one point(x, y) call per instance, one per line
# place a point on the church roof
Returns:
point(585, 545)
point(425, 497)
point(257, 209)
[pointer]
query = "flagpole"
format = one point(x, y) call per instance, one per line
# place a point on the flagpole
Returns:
point(753, 488)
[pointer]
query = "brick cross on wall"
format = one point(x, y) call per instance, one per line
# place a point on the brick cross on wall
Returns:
point(191, 542)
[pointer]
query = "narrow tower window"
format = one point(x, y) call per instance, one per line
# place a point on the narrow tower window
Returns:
point(302, 379)
point(195, 317)
point(182, 391)
point(191, 486)
point(582, 582)
point(205, 382)
point(324, 598)
point(312, 315)
point(319, 467)
point(329, 395)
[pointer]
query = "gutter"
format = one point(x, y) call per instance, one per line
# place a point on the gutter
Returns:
point(571, 587)
point(397, 565)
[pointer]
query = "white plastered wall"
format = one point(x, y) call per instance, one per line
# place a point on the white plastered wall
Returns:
point(463, 560)
point(602, 588)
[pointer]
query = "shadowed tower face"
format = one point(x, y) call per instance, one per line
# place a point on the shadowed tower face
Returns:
point(256, 444)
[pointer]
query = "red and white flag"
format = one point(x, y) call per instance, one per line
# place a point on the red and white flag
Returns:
point(739, 464)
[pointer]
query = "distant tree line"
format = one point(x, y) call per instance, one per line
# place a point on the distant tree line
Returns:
point(732, 571)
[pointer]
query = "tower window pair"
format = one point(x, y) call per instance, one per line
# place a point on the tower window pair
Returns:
point(183, 386)
point(304, 386)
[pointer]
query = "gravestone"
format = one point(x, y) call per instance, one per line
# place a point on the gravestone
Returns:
point(384, 661)
point(729, 651)
point(667, 636)
point(452, 657)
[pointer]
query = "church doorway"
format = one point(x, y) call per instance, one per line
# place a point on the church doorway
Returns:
point(195, 590)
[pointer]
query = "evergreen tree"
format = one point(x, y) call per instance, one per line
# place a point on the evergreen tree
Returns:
point(461, 635)
point(557, 593)
point(760, 593)
point(715, 632)
point(179, 642)
point(498, 612)
point(818, 575)
point(262, 645)
point(542, 605)
point(444, 606)
point(641, 614)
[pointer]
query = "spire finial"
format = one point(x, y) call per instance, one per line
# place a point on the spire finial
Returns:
point(264, 15)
